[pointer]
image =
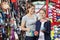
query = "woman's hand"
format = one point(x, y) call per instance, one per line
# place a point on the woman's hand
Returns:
point(28, 29)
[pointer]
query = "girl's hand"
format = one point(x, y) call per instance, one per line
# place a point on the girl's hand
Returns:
point(36, 33)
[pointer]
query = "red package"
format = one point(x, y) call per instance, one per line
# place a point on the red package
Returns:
point(13, 1)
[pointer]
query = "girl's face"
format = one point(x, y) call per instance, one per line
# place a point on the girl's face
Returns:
point(32, 10)
point(42, 14)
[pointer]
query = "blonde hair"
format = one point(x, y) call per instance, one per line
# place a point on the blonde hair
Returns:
point(43, 10)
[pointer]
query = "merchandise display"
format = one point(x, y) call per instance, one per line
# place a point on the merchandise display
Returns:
point(56, 20)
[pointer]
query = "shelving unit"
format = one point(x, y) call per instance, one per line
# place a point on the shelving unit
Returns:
point(55, 17)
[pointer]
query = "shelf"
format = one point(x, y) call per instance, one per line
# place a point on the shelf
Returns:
point(58, 14)
point(56, 6)
point(55, 2)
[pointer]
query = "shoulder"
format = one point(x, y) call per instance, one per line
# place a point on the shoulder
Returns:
point(38, 22)
point(35, 15)
point(48, 20)
point(24, 17)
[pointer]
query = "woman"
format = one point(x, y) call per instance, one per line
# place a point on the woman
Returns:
point(28, 22)
point(43, 27)
point(5, 8)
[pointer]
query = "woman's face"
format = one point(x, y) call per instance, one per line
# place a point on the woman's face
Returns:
point(32, 10)
point(5, 5)
point(42, 14)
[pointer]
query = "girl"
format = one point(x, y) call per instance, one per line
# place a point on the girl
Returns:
point(43, 27)
point(28, 22)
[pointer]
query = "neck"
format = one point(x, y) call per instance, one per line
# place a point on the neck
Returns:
point(43, 19)
point(29, 14)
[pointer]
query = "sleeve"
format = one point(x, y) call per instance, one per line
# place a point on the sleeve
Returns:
point(37, 26)
point(48, 32)
point(23, 19)
point(48, 27)
point(37, 29)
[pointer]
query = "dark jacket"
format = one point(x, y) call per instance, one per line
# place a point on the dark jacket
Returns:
point(47, 26)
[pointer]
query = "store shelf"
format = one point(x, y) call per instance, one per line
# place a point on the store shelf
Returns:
point(55, 2)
